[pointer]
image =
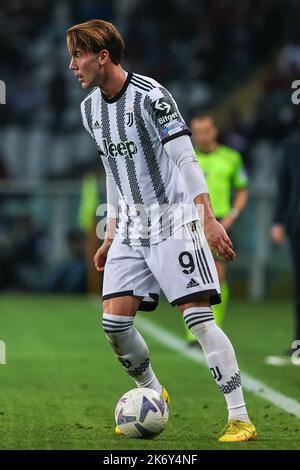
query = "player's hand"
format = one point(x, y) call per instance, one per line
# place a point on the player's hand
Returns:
point(101, 255)
point(218, 239)
point(278, 234)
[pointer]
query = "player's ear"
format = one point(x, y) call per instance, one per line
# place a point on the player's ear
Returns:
point(103, 56)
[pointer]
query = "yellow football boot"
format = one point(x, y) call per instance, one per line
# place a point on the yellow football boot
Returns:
point(238, 431)
point(165, 396)
point(118, 431)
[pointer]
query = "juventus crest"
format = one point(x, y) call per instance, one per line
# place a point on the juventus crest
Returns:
point(129, 115)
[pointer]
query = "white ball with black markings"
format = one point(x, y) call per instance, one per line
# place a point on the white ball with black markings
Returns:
point(141, 413)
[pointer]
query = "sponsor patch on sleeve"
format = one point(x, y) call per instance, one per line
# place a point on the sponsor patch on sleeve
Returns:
point(165, 116)
point(163, 107)
point(172, 128)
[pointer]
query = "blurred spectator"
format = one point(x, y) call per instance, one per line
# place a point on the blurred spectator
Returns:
point(71, 275)
point(3, 170)
point(57, 99)
point(7, 256)
point(234, 134)
point(22, 248)
point(89, 9)
point(25, 101)
point(286, 221)
point(289, 59)
point(202, 51)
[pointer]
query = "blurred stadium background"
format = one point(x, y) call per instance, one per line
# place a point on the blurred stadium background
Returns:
point(235, 58)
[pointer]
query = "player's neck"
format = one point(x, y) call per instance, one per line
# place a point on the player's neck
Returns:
point(113, 82)
point(210, 148)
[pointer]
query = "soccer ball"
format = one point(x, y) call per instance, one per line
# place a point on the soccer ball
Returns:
point(141, 412)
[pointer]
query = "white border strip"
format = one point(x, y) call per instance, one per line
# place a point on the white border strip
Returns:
point(249, 383)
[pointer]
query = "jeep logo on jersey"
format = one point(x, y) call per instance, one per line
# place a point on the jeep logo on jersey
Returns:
point(162, 107)
point(127, 148)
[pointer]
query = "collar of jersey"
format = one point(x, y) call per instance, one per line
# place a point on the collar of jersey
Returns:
point(121, 92)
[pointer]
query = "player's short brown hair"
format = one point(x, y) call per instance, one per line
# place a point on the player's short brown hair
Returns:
point(95, 35)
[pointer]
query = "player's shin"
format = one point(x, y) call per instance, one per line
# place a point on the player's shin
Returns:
point(220, 357)
point(131, 350)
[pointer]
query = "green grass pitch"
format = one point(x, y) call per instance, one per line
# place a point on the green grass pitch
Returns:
point(61, 381)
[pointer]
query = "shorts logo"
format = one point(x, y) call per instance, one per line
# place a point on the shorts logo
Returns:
point(127, 148)
point(192, 283)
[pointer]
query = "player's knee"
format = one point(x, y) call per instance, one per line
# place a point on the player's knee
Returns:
point(116, 325)
point(204, 302)
point(199, 320)
point(121, 306)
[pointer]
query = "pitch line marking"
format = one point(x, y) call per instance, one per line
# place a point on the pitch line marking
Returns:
point(249, 383)
point(278, 361)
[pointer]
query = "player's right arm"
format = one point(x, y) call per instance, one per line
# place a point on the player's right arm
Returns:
point(101, 254)
point(112, 198)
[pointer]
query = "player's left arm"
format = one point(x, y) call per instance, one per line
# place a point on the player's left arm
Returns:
point(162, 113)
point(181, 151)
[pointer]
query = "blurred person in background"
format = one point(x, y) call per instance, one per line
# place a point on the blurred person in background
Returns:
point(286, 219)
point(225, 173)
point(4, 175)
point(89, 202)
point(71, 274)
point(58, 99)
point(22, 251)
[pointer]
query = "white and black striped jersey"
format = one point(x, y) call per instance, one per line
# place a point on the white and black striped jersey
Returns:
point(130, 131)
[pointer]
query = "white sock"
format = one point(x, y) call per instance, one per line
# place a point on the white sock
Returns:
point(131, 350)
point(220, 357)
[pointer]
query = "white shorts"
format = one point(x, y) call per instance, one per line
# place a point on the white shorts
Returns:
point(181, 266)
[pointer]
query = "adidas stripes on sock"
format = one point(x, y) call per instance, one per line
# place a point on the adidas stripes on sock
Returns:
point(220, 357)
point(131, 350)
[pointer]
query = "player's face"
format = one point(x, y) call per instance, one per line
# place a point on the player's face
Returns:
point(204, 132)
point(86, 68)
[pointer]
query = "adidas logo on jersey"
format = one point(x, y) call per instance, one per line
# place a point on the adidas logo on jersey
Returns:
point(192, 283)
point(96, 125)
